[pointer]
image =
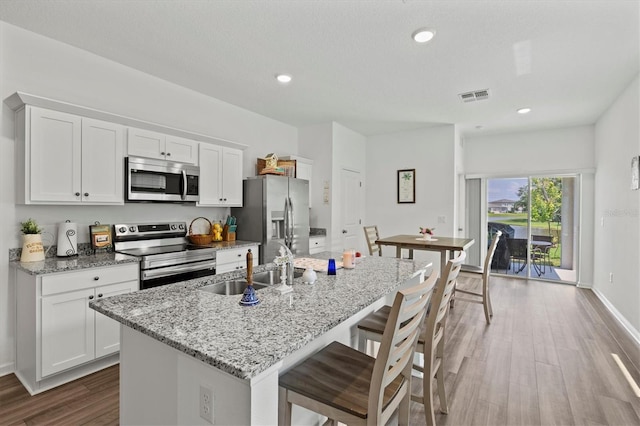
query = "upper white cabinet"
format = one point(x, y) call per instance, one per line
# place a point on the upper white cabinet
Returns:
point(145, 143)
point(304, 170)
point(220, 176)
point(68, 159)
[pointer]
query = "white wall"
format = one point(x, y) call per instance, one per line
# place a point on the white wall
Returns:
point(44, 67)
point(316, 142)
point(566, 149)
point(431, 152)
point(349, 149)
point(617, 207)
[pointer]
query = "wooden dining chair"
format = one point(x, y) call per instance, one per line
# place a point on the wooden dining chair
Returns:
point(371, 235)
point(483, 274)
point(431, 340)
point(351, 387)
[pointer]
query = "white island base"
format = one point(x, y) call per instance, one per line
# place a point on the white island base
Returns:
point(160, 385)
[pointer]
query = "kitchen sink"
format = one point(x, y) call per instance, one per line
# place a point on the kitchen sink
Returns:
point(230, 288)
point(272, 277)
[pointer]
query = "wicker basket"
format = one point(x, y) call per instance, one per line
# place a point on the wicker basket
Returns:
point(200, 239)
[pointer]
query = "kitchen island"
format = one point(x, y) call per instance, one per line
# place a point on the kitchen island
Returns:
point(177, 339)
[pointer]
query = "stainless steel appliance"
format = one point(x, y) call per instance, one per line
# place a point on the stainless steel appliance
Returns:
point(275, 210)
point(158, 180)
point(166, 256)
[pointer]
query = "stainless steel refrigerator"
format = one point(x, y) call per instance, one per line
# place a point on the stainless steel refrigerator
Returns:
point(275, 210)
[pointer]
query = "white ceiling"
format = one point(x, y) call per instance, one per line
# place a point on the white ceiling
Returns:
point(354, 62)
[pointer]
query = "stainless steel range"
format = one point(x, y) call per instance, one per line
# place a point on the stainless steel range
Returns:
point(166, 256)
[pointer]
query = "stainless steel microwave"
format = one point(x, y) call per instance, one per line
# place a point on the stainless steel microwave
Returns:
point(161, 181)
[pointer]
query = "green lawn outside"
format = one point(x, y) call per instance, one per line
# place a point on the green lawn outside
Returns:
point(520, 219)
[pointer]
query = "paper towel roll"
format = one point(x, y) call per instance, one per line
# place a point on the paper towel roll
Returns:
point(67, 239)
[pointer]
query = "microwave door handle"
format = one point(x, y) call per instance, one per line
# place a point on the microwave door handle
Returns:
point(184, 185)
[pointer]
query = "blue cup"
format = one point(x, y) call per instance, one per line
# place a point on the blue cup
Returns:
point(331, 269)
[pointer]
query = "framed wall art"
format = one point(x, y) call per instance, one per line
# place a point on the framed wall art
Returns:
point(406, 186)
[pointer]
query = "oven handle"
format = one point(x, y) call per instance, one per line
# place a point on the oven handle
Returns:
point(173, 270)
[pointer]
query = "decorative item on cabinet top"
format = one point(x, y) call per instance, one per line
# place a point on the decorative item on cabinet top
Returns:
point(271, 165)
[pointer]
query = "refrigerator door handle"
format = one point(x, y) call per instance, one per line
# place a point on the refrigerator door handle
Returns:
point(286, 221)
point(291, 223)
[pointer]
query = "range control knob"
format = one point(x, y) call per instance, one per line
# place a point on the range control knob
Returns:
point(181, 226)
point(132, 228)
point(122, 229)
point(173, 227)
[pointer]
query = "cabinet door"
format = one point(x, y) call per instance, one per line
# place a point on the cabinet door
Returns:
point(67, 337)
point(232, 177)
point(102, 162)
point(305, 171)
point(143, 143)
point(54, 157)
point(210, 175)
point(181, 150)
point(107, 329)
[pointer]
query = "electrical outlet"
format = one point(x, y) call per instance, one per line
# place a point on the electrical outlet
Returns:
point(611, 277)
point(206, 403)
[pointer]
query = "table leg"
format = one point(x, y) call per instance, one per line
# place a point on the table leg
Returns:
point(410, 253)
point(398, 252)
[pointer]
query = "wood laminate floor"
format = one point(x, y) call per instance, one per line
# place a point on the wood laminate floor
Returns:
point(545, 360)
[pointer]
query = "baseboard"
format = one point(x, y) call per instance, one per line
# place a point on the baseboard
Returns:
point(633, 333)
point(7, 368)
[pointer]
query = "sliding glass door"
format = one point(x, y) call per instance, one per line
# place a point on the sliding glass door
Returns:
point(538, 219)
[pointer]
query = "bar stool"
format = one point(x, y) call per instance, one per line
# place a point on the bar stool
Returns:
point(484, 273)
point(431, 340)
point(351, 387)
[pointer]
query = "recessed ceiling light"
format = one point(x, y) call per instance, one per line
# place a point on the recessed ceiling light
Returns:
point(423, 35)
point(524, 110)
point(283, 78)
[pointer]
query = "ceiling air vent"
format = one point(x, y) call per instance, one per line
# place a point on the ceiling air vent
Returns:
point(476, 95)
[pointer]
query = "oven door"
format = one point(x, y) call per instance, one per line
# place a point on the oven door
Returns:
point(172, 274)
point(156, 180)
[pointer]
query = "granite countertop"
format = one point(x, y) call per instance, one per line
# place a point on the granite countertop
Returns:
point(86, 259)
point(245, 341)
point(51, 265)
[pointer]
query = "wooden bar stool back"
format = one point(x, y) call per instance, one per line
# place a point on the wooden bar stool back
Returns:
point(351, 387)
point(371, 235)
point(431, 341)
point(475, 273)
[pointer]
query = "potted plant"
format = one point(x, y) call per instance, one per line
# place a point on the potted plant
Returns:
point(427, 233)
point(32, 249)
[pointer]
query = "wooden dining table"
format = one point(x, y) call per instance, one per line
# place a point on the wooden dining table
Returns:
point(445, 245)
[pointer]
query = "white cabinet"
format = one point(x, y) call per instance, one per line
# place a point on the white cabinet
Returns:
point(304, 170)
point(220, 176)
point(145, 143)
point(68, 159)
point(317, 244)
point(233, 259)
point(57, 330)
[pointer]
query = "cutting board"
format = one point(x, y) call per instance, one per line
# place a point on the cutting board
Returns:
point(318, 265)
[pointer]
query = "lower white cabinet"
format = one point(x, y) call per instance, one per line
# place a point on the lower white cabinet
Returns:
point(233, 259)
point(58, 332)
point(316, 244)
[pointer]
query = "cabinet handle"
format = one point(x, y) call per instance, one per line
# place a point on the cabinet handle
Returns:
point(225, 199)
point(239, 254)
point(91, 297)
point(99, 294)
point(96, 278)
point(162, 153)
point(77, 194)
point(220, 199)
point(86, 194)
point(168, 154)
